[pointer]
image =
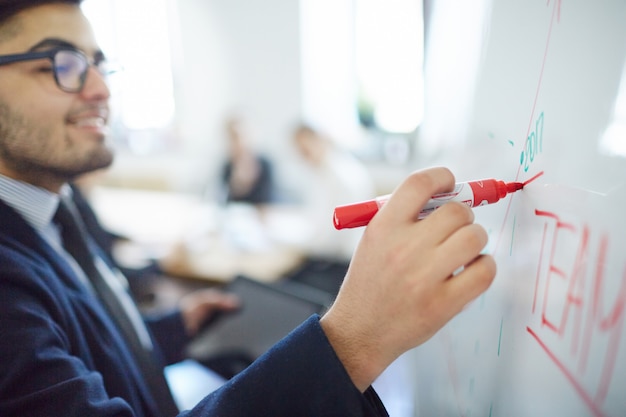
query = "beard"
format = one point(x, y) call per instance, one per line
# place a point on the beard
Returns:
point(31, 150)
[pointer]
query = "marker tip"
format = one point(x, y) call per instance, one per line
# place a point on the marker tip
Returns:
point(511, 187)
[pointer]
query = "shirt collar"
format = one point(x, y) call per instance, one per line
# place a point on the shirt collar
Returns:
point(36, 205)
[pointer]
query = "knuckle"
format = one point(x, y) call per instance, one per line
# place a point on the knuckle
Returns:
point(486, 270)
point(420, 181)
point(460, 211)
point(430, 178)
point(477, 236)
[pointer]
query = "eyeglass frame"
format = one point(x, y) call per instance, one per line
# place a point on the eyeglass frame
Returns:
point(51, 54)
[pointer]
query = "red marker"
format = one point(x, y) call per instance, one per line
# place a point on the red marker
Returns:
point(472, 193)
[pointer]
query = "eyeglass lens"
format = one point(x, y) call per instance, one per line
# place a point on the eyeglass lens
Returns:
point(70, 70)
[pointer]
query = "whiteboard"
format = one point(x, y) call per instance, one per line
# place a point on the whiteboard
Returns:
point(549, 337)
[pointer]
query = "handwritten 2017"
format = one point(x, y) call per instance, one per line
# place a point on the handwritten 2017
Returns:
point(533, 145)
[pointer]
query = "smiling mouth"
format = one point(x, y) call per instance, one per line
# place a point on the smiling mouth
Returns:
point(95, 122)
point(91, 117)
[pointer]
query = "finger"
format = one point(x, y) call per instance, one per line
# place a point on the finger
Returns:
point(221, 301)
point(228, 302)
point(461, 247)
point(412, 194)
point(445, 221)
point(475, 279)
point(210, 298)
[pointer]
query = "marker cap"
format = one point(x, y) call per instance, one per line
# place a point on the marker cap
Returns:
point(354, 215)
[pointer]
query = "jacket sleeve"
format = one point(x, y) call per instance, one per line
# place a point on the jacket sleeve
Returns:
point(41, 369)
point(169, 332)
point(48, 363)
point(300, 376)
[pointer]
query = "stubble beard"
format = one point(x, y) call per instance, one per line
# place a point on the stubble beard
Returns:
point(30, 153)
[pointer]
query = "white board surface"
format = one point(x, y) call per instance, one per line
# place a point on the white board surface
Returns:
point(549, 337)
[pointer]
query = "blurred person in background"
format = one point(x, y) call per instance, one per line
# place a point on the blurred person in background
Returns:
point(336, 177)
point(246, 176)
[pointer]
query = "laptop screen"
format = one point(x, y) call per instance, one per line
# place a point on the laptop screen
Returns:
point(267, 314)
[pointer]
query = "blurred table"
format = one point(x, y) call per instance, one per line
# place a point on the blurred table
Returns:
point(192, 238)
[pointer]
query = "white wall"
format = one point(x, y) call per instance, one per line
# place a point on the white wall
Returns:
point(280, 61)
point(234, 54)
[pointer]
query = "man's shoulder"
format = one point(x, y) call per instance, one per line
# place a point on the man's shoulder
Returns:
point(21, 263)
point(24, 255)
point(17, 239)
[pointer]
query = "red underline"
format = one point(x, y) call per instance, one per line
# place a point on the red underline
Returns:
point(597, 412)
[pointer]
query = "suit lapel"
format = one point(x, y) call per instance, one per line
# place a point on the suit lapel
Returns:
point(18, 235)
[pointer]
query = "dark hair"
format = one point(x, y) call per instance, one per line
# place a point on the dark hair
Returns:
point(9, 8)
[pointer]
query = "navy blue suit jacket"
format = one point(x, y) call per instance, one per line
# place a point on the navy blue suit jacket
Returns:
point(60, 354)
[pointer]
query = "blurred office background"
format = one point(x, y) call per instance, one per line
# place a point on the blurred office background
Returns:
point(353, 68)
point(375, 76)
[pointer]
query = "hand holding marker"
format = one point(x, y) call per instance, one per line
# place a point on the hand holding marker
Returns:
point(472, 193)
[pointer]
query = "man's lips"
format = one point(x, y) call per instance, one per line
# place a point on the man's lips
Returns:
point(96, 119)
point(97, 122)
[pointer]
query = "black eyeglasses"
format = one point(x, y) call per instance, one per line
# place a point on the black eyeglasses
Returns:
point(69, 66)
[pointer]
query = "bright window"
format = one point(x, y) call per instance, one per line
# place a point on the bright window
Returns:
point(389, 57)
point(135, 33)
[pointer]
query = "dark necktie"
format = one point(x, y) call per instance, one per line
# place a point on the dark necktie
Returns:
point(75, 242)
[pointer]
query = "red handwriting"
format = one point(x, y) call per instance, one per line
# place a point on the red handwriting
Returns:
point(580, 305)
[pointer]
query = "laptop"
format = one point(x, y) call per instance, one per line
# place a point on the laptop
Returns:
point(268, 313)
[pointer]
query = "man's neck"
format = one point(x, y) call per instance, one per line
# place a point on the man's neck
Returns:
point(34, 177)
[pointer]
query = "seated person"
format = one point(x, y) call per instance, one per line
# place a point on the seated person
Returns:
point(246, 175)
point(336, 177)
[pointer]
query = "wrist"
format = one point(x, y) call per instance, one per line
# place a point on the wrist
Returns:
point(356, 351)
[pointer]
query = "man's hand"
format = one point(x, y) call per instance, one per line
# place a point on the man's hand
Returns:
point(400, 289)
point(199, 306)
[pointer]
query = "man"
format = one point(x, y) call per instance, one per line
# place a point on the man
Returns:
point(63, 351)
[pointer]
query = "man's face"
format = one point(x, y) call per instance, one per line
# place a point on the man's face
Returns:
point(48, 136)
